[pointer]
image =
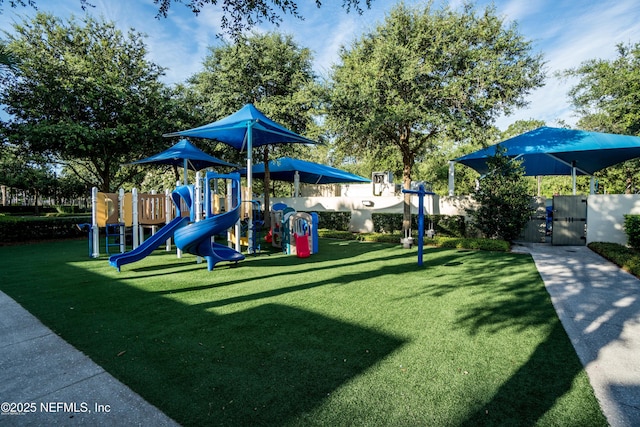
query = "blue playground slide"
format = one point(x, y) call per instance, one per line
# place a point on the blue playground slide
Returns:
point(195, 238)
point(149, 245)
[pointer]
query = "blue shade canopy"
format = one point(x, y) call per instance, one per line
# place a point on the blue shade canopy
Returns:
point(243, 130)
point(554, 151)
point(234, 130)
point(186, 155)
point(285, 168)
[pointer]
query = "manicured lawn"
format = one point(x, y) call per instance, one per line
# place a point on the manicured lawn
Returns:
point(356, 335)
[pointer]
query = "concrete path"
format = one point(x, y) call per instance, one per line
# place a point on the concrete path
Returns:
point(45, 381)
point(599, 307)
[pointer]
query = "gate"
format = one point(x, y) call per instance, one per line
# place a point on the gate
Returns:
point(569, 220)
point(535, 229)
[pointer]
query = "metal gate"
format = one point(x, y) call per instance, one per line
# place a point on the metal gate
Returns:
point(569, 220)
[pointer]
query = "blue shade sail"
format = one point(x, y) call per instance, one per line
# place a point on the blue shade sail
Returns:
point(285, 168)
point(555, 151)
point(184, 154)
point(234, 130)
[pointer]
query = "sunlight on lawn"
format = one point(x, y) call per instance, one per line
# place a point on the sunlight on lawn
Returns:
point(357, 334)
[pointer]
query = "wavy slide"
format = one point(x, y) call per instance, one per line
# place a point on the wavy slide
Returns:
point(149, 245)
point(195, 238)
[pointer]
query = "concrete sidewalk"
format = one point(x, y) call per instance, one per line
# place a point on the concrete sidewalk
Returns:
point(45, 381)
point(599, 307)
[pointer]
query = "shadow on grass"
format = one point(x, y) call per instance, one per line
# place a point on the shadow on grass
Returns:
point(297, 266)
point(271, 363)
point(551, 370)
point(536, 386)
point(265, 365)
point(520, 304)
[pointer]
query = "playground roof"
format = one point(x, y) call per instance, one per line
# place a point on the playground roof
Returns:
point(285, 169)
point(555, 151)
point(186, 155)
point(244, 129)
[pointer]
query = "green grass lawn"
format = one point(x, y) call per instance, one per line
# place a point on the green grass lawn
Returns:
point(356, 335)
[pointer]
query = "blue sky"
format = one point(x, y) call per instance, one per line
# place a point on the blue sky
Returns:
point(566, 32)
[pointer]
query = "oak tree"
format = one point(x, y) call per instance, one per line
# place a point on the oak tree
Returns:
point(425, 73)
point(84, 95)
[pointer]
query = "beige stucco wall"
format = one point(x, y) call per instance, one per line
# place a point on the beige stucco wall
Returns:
point(360, 207)
point(605, 216)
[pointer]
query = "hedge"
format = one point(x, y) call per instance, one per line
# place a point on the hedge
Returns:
point(334, 220)
point(17, 229)
point(626, 258)
point(439, 241)
point(632, 229)
point(445, 225)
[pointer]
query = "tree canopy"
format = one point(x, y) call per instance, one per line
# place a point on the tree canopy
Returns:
point(238, 15)
point(607, 99)
point(268, 70)
point(84, 95)
point(423, 74)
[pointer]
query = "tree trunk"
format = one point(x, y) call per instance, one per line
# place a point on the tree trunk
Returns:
point(406, 211)
point(176, 173)
point(35, 201)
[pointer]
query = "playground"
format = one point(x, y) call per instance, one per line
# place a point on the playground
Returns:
point(284, 328)
point(193, 215)
point(356, 334)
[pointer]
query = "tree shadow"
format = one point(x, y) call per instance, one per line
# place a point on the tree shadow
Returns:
point(579, 298)
point(265, 365)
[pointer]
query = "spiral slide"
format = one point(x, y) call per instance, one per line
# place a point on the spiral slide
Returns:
point(195, 238)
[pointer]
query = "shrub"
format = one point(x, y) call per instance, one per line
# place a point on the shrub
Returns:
point(334, 220)
point(388, 223)
point(335, 234)
point(495, 245)
point(446, 225)
point(439, 241)
point(632, 229)
point(449, 225)
point(505, 206)
point(626, 258)
point(17, 229)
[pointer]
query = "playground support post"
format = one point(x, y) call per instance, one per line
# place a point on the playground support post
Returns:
point(197, 205)
point(123, 239)
point(167, 215)
point(452, 171)
point(95, 231)
point(135, 218)
point(237, 228)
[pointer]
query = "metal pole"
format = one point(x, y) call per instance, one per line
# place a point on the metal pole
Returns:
point(421, 194)
point(249, 183)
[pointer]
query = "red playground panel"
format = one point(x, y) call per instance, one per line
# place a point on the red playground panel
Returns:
point(302, 246)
